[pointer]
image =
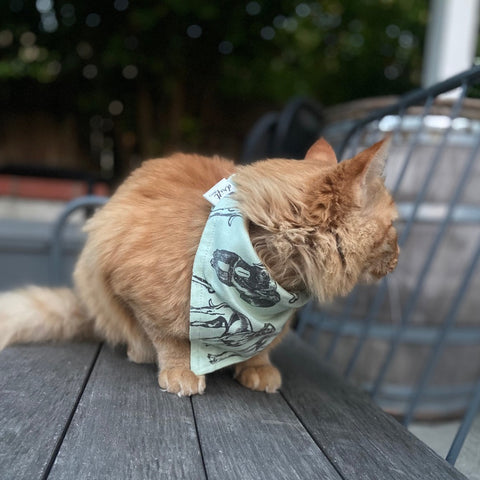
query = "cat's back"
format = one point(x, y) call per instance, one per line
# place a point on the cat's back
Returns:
point(174, 183)
point(170, 176)
point(159, 207)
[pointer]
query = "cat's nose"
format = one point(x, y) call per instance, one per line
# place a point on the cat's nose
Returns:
point(394, 261)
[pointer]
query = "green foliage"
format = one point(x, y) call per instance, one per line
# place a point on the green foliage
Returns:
point(193, 56)
point(332, 49)
point(337, 52)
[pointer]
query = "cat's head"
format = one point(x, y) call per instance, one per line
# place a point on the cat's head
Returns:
point(319, 225)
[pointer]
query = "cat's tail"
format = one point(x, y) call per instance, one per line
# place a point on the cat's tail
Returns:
point(37, 314)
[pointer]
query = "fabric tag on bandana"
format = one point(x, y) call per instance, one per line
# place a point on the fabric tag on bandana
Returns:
point(221, 189)
point(236, 308)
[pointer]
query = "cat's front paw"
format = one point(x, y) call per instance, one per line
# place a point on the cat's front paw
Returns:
point(181, 381)
point(265, 378)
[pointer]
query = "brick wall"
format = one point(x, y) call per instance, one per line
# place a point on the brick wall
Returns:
point(46, 188)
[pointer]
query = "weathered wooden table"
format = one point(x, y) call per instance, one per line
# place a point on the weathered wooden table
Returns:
point(83, 411)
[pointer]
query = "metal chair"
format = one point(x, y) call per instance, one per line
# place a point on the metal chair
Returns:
point(431, 171)
point(55, 271)
point(286, 134)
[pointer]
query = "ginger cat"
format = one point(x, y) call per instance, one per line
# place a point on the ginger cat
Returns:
point(319, 227)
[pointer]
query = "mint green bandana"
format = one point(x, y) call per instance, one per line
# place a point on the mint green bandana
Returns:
point(236, 308)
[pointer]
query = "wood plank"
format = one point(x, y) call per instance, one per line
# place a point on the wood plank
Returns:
point(39, 386)
point(125, 427)
point(360, 439)
point(252, 435)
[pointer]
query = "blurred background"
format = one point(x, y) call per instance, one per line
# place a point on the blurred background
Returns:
point(98, 86)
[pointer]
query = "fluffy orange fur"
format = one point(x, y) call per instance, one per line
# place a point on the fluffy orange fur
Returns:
point(318, 226)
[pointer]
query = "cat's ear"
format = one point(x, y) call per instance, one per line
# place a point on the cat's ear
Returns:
point(370, 163)
point(367, 166)
point(322, 153)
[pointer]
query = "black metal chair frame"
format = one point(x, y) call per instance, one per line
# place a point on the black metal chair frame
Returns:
point(348, 148)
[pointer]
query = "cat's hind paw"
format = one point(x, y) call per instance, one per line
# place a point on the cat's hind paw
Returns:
point(181, 381)
point(265, 378)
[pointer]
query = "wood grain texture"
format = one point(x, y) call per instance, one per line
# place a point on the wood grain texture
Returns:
point(125, 427)
point(361, 440)
point(254, 435)
point(39, 386)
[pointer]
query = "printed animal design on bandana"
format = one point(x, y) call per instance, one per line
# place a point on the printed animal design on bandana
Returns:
point(236, 308)
point(252, 281)
point(236, 332)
